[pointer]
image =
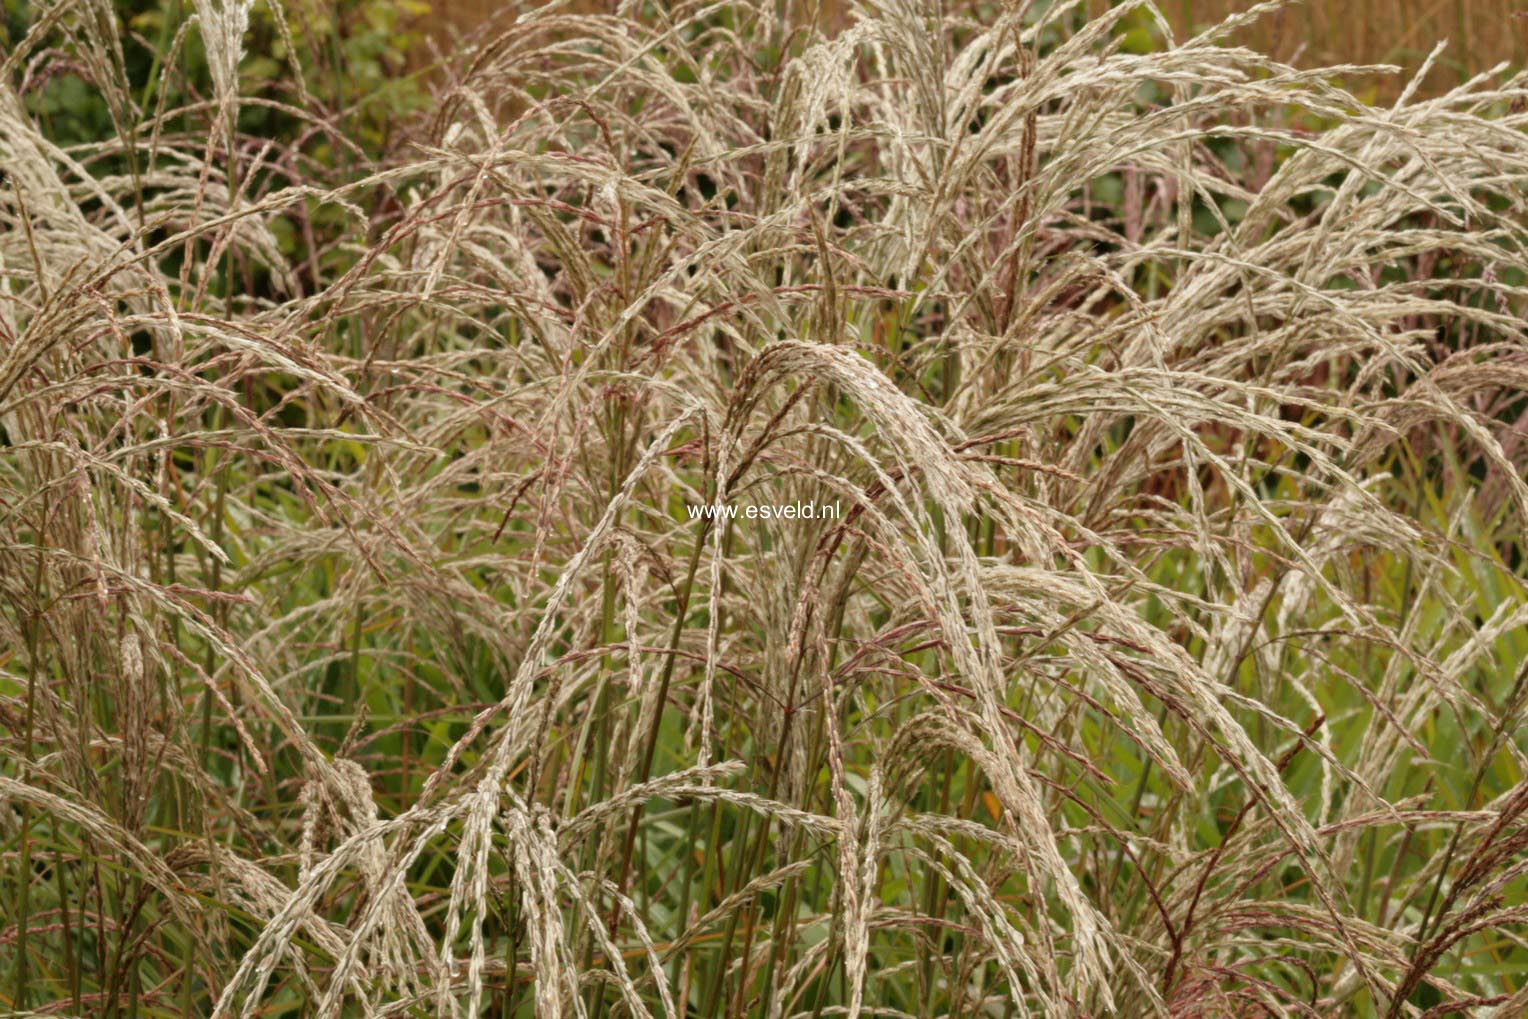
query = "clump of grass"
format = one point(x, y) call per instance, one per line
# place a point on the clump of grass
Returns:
point(359, 656)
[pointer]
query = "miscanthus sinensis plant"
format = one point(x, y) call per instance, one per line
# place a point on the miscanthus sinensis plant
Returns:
point(359, 656)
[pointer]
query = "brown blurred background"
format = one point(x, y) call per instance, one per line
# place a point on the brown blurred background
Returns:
point(1480, 32)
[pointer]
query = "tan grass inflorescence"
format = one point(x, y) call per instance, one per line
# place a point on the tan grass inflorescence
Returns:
point(358, 656)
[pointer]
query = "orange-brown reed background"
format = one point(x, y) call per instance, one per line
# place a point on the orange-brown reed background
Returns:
point(1480, 32)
